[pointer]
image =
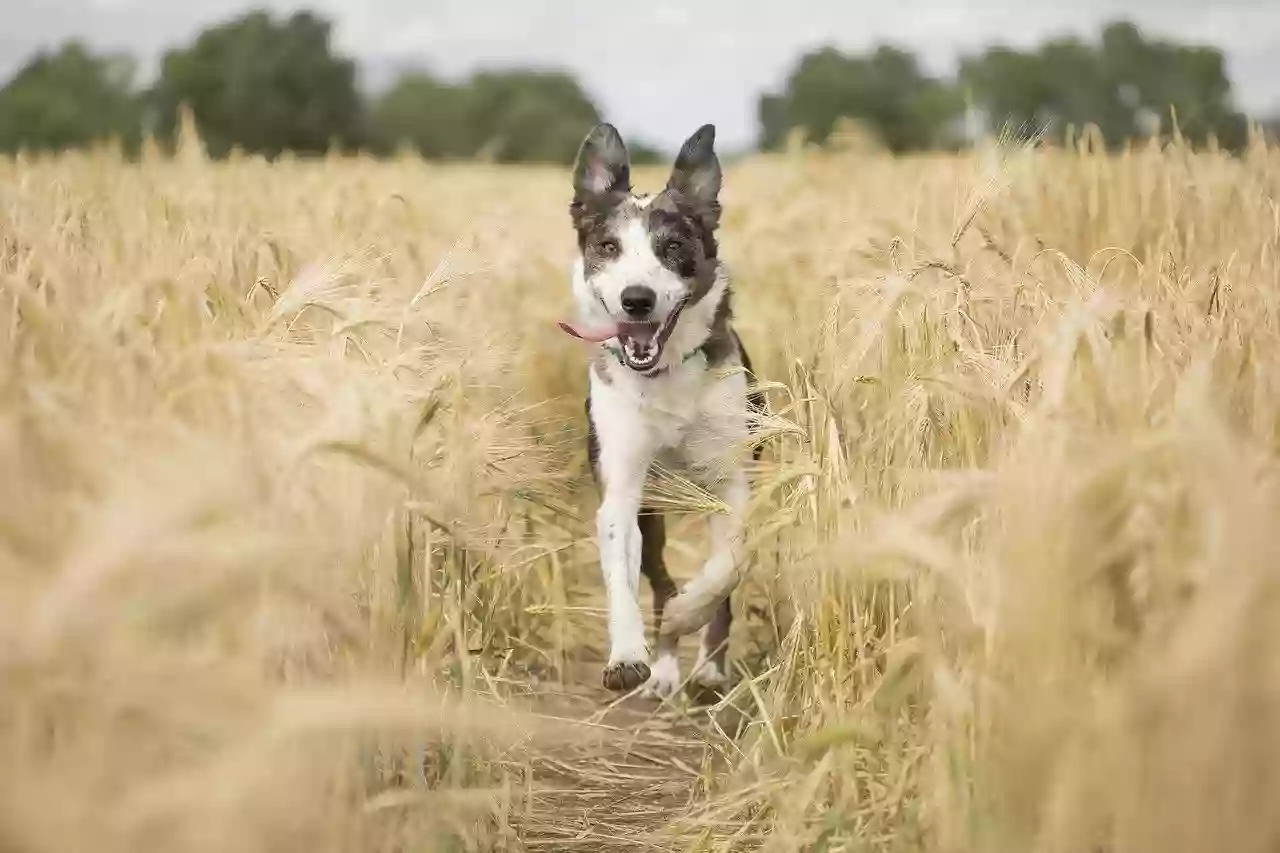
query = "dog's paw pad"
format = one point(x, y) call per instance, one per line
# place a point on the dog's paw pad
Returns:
point(627, 675)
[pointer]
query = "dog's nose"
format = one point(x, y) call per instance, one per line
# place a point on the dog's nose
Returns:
point(638, 300)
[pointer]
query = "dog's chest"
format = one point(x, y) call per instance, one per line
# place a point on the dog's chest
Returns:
point(686, 419)
point(670, 411)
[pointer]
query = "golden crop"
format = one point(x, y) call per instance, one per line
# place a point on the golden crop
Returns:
point(295, 532)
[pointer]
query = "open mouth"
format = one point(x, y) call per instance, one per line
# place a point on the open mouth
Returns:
point(642, 343)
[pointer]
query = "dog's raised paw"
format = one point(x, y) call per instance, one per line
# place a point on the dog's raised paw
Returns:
point(664, 680)
point(625, 675)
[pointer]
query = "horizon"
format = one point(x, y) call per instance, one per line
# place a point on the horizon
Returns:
point(718, 65)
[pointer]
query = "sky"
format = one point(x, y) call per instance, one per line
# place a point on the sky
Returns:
point(660, 68)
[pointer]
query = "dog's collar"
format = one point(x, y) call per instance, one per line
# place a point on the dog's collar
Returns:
point(657, 371)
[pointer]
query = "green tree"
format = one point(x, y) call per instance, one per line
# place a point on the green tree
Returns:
point(70, 98)
point(509, 116)
point(886, 90)
point(643, 154)
point(426, 113)
point(529, 115)
point(265, 86)
point(1125, 84)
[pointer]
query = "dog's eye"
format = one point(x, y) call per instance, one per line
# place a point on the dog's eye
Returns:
point(672, 247)
point(608, 247)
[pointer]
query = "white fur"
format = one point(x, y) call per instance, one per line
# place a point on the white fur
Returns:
point(664, 678)
point(692, 419)
point(625, 451)
point(705, 670)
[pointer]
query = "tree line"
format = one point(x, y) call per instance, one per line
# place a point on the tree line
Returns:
point(266, 85)
point(1127, 85)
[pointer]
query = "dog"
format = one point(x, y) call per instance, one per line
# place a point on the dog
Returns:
point(667, 384)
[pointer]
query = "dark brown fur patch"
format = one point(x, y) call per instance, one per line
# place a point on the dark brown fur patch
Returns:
point(682, 242)
point(722, 344)
point(593, 219)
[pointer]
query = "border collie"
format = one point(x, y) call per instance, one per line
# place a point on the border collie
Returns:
point(667, 385)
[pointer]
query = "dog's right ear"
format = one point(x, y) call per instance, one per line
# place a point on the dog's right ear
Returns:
point(696, 174)
point(603, 165)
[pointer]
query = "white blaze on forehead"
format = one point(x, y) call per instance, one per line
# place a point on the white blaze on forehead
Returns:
point(636, 262)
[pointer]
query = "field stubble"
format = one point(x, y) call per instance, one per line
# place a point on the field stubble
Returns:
point(295, 537)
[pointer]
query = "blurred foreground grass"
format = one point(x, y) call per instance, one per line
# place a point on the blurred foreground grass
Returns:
point(295, 530)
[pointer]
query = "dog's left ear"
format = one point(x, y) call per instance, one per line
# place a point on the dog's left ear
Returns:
point(696, 174)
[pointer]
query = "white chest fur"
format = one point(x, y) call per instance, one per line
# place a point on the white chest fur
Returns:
point(692, 418)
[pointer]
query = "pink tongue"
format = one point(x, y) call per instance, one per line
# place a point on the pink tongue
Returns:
point(595, 334)
point(640, 331)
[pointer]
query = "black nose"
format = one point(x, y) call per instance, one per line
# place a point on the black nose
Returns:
point(638, 300)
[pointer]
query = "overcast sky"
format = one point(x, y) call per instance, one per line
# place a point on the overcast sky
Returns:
point(656, 68)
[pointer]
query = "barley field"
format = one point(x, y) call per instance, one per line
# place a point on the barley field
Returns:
point(295, 535)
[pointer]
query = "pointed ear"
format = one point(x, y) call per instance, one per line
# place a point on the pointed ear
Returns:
point(603, 164)
point(696, 174)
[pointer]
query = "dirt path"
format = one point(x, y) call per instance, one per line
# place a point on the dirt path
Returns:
point(640, 765)
point(621, 789)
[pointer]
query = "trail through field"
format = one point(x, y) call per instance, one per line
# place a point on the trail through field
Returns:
point(640, 765)
point(619, 791)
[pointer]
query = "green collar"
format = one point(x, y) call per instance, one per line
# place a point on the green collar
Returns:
point(617, 353)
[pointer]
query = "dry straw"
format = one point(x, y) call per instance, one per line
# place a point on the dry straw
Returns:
point(295, 539)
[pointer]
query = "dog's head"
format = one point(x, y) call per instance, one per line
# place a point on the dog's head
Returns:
point(644, 258)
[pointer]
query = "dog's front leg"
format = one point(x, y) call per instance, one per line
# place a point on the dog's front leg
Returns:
point(624, 464)
point(697, 602)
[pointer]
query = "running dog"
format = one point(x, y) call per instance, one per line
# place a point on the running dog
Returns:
point(668, 385)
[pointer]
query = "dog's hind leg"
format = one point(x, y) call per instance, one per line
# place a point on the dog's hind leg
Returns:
point(665, 674)
point(709, 670)
point(704, 601)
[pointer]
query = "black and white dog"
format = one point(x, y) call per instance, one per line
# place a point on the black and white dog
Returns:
point(667, 384)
